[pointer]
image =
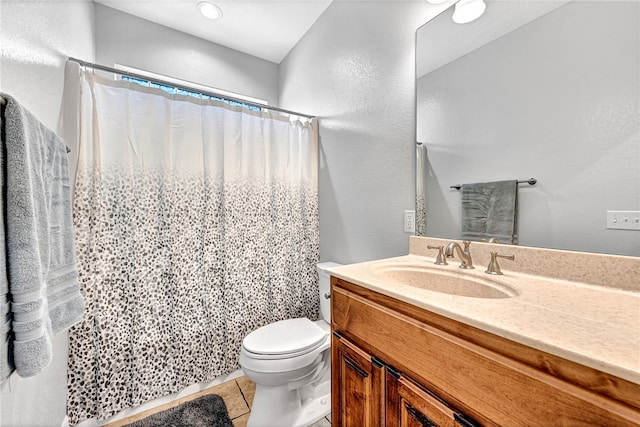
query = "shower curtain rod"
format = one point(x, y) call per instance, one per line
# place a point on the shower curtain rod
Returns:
point(178, 86)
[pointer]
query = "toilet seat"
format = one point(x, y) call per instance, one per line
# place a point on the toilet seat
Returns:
point(284, 339)
point(288, 364)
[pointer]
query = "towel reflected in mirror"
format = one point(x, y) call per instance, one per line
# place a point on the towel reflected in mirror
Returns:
point(490, 210)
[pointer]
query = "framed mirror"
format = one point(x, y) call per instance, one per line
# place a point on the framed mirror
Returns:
point(533, 89)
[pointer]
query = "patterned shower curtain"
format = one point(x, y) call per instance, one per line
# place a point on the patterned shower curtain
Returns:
point(196, 223)
point(422, 172)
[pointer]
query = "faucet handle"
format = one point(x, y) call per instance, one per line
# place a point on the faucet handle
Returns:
point(494, 267)
point(441, 259)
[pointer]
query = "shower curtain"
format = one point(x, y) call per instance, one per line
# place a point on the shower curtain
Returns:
point(196, 223)
point(422, 171)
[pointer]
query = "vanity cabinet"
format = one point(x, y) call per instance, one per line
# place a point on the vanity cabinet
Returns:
point(369, 392)
point(395, 364)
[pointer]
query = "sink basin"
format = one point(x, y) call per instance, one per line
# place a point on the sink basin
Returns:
point(445, 282)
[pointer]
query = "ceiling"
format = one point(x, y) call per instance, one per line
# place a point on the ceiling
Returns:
point(441, 41)
point(267, 29)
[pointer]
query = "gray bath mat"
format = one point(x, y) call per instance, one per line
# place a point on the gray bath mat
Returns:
point(206, 411)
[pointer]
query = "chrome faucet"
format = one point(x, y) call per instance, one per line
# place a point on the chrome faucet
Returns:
point(463, 254)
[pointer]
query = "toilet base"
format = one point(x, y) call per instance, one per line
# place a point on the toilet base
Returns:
point(281, 407)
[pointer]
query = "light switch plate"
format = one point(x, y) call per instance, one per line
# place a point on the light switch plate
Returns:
point(623, 220)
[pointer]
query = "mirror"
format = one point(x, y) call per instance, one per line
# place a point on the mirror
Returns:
point(542, 89)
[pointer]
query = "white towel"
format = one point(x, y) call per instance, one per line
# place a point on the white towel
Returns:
point(41, 265)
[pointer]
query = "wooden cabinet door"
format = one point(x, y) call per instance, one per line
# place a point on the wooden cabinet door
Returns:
point(409, 405)
point(357, 386)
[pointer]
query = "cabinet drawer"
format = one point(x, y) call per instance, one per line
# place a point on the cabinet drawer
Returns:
point(492, 388)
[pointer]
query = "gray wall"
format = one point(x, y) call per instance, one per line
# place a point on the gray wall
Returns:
point(355, 69)
point(127, 40)
point(36, 38)
point(556, 99)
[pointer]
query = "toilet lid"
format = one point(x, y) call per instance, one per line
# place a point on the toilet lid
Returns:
point(285, 337)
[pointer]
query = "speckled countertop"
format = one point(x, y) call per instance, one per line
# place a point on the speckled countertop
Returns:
point(594, 325)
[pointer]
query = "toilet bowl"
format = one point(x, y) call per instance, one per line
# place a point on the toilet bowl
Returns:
point(289, 361)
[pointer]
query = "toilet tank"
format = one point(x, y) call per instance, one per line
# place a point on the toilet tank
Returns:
point(324, 285)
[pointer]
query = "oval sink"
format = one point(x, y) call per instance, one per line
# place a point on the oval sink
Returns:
point(446, 282)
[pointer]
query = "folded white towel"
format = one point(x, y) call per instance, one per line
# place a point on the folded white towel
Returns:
point(40, 259)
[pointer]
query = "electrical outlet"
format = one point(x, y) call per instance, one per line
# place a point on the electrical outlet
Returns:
point(623, 220)
point(410, 221)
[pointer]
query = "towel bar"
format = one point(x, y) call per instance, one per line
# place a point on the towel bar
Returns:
point(530, 181)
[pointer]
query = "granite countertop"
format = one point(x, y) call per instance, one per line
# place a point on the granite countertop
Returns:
point(593, 325)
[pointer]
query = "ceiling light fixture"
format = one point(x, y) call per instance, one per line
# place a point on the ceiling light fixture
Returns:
point(209, 10)
point(466, 11)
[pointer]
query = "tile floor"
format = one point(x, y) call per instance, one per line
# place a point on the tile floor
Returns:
point(237, 395)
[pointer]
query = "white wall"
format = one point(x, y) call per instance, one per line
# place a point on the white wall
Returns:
point(355, 70)
point(36, 37)
point(127, 40)
point(556, 99)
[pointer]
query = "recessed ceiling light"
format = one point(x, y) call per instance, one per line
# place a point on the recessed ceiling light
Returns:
point(466, 11)
point(209, 10)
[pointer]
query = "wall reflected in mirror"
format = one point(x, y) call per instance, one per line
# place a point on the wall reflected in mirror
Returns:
point(544, 89)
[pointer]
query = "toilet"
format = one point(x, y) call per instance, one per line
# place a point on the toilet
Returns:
point(290, 363)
